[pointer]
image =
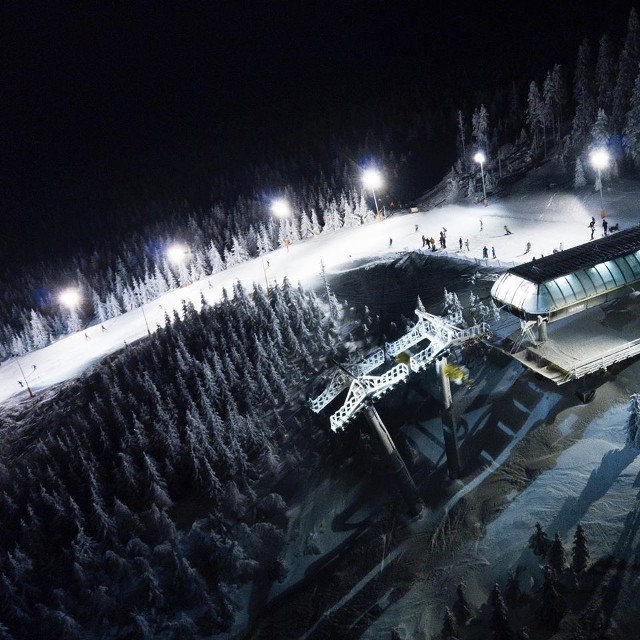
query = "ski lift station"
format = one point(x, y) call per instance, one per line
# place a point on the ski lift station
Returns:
point(578, 309)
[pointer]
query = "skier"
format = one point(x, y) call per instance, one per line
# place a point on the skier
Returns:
point(592, 226)
point(103, 328)
point(424, 241)
point(34, 367)
point(605, 224)
point(493, 251)
point(480, 225)
point(416, 228)
point(485, 252)
point(507, 230)
point(460, 241)
point(528, 247)
point(466, 244)
point(86, 336)
point(390, 242)
point(433, 244)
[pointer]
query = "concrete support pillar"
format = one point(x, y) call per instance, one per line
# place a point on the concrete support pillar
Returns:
point(542, 330)
point(405, 482)
point(449, 427)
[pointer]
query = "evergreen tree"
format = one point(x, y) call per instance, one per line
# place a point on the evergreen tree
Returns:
point(554, 94)
point(633, 422)
point(38, 329)
point(536, 116)
point(539, 542)
point(448, 625)
point(600, 131)
point(557, 555)
point(499, 622)
point(552, 603)
point(585, 105)
point(605, 75)
point(461, 607)
point(632, 125)
point(579, 179)
point(580, 551)
point(512, 592)
point(480, 128)
point(627, 72)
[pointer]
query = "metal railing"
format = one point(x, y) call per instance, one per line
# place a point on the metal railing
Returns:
point(617, 354)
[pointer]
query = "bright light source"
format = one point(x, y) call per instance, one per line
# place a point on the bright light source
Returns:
point(177, 253)
point(599, 158)
point(69, 298)
point(372, 179)
point(280, 208)
point(479, 157)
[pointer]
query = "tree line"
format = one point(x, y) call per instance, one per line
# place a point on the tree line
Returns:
point(138, 501)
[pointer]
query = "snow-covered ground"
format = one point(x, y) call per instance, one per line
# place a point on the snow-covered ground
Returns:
point(545, 219)
point(593, 481)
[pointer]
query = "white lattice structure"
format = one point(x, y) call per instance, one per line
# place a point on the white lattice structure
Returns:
point(440, 332)
point(367, 387)
point(429, 327)
point(341, 380)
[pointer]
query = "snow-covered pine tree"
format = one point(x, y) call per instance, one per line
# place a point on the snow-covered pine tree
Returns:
point(557, 555)
point(462, 151)
point(600, 131)
point(580, 551)
point(585, 105)
point(627, 72)
point(448, 625)
point(632, 125)
point(633, 421)
point(539, 542)
point(579, 179)
point(554, 94)
point(605, 74)
point(471, 188)
point(499, 621)
point(461, 608)
point(552, 604)
point(536, 116)
point(216, 263)
point(480, 128)
point(315, 224)
point(39, 333)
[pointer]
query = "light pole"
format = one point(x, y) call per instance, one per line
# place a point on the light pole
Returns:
point(600, 160)
point(480, 159)
point(31, 394)
point(372, 180)
point(266, 280)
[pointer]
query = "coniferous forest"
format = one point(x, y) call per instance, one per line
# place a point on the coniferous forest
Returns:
point(139, 500)
point(417, 136)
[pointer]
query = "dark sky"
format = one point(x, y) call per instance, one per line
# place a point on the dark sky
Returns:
point(91, 85)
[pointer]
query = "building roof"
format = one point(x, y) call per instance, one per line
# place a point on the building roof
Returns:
point(615, 245)
point(572, 280)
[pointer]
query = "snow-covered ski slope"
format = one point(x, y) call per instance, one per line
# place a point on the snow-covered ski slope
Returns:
point(545, 218)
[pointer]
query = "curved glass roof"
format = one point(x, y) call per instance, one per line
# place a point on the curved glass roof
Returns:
point(572, 277)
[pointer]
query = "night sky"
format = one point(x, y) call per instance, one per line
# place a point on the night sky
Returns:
point(95, 91)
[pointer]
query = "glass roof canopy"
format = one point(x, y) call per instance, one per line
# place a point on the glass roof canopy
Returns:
point(572, 280)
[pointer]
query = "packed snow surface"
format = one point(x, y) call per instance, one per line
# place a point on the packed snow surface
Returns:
point(545, 219)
